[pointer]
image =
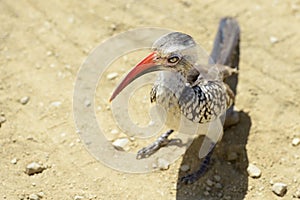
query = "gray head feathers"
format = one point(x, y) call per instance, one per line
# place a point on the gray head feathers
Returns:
point(174, 42)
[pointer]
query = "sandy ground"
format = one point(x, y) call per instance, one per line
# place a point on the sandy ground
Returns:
point(42, 45)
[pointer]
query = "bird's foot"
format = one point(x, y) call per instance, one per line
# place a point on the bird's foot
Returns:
point(193, 177)
point(155, 146)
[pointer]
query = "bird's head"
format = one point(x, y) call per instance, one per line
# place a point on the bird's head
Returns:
point(175, 52)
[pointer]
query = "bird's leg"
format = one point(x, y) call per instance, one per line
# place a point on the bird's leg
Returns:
point(191, 178)
point(155, 146)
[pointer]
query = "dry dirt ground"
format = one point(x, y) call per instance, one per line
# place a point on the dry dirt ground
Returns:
point(42, 46)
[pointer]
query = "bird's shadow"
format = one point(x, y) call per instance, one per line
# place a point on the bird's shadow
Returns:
point(227, 172)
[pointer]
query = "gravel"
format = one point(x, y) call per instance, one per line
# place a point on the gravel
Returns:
point(121, 144)
point(34, 197)
point(185, 168)
point(163, 164)
point(296, 141)
point(112, 76)
point(218, 186)
point(24, 100)
point(2, 120)
point(279, 189)
point(297, 194)
point(273, 39)
point(209, 182)
point(253, 171)
point(34, 168)
point(232, 156)
point(217, 178)
point(87, 103)
point(14, 161)
point(77, 197)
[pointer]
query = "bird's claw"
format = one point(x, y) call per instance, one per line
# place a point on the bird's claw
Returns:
point(189, 179)
point(147, 151)
point(155, 146)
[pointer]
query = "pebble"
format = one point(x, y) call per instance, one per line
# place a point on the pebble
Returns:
point(296, 141)
point(56, 103)
point(163, 164)
point(41, 194)
point(77, 197)
point(114, 131)
point(87, 103)
point(120, 144)
point(279, 189)
point(185, 168)
point(49, 53)
point(218, 186)
point(2, 120)
point(209, 182)
point(232, 156)
point(112, 76)
point(208, 188)
point(113, 27)
point(253, 171)
point(297, 194)
point(34, 168)
point(217, 178)
point(24, 100)
point(206, 193)
point(273, 39)
point(14, 161)
point(34, 197)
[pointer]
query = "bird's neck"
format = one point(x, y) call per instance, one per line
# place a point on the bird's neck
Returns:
point(174, 82)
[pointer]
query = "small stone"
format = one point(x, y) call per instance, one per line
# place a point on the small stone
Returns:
point(41, 194)
point(232, 156)
point(279, 189)
point(113, 27)
point(49, 53)
point(227, 197)
point(296, 142)
point(24, 100)
point(217, 178)
point(185, 168)
point(14, 161)
point(114, 131)
point(33, 197)
point(34, 168)
point(208, 188)
point(2, 120)
point(112, 75)
point(218, 186)
point(121, 143)
point(253, 171)
point(209, 182)
point(219, 194)
point(297, 194)
point(77, 197)
point(71, 20)
point(206, 193)
point(273, 39)
point(87, 103)
point(56, 103)
point(163, 164)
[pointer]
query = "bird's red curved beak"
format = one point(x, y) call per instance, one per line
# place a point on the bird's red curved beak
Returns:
point(145, 66)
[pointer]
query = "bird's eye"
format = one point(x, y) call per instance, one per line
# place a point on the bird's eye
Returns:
point(173, 59)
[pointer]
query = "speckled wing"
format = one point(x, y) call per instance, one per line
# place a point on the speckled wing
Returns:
point(204, 102)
